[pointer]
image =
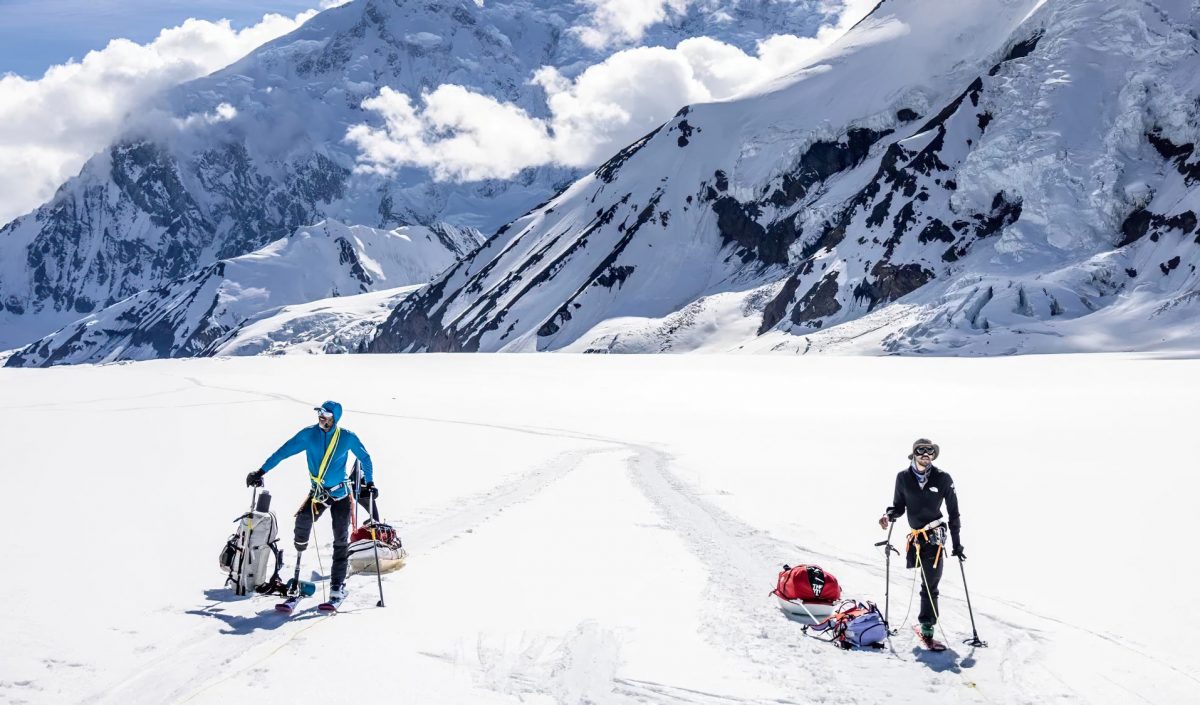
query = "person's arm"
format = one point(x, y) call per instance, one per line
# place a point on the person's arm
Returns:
point(294, 445)
point(895, 511)
point(363, 456)
point(952, 511)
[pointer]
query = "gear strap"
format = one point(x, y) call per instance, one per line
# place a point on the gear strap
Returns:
point(316, 479)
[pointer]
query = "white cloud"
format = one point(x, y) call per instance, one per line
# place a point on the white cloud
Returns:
point(625, 20)
point(464, 136)
point(50, 126)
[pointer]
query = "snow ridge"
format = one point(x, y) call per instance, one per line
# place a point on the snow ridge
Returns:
point(241, 305)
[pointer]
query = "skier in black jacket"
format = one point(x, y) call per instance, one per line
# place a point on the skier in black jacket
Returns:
point(920, 490)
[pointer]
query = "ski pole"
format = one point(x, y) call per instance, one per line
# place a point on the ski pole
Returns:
point(974, 640)
point(240, 588)
point(887, 591)
point(375, 548)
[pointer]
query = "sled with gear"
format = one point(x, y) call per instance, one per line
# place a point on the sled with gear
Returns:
point(251, 557)
point(807, 593)
point(376, 547)
point(853, 624)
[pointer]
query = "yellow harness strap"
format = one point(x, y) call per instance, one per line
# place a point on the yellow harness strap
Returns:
point(923, 535)
point(337, 433)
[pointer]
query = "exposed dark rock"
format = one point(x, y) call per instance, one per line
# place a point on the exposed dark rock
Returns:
point(985, 119)
point(1006, 210)
point(1169, 265)
point(900, 225)
point(737, 222)
point(1131, 272)
point(685, 132)
point(935, 230)
point(972, 91)
point(1020, 50)
point(818, 302)
point(892, 282)
point(880, 212)
point(609, 169)
point(722, 180)
point(822, 160)
point(906, 115)
point(1141, 221)
point(777, 307)
point(614, 275)
point(1135, 226)
point(1179, 154)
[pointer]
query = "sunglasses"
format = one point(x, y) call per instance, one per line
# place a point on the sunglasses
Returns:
point(925, 450)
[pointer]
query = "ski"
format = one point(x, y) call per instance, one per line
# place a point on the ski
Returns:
point(928, 642)
point(289, 605)
point(331, 606)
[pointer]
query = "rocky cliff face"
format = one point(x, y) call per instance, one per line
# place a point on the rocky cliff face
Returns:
point(983, 178)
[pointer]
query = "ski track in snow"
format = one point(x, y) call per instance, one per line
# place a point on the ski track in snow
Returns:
point(741, 562)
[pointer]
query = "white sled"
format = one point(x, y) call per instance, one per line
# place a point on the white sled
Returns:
point(805, 611)
point(362, 557)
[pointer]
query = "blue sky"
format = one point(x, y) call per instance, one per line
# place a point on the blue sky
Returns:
point(36, 34)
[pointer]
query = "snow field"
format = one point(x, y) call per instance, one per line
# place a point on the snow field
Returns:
point(605, 530)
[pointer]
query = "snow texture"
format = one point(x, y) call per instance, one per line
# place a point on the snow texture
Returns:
point(605, 529)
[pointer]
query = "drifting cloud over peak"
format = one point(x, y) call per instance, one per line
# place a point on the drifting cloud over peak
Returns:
point(461, 135)
point(50, 126)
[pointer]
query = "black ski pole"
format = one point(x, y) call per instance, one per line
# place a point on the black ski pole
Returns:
point(375, 547)
point(887, 592)
point(974, 640)
point(240, 589)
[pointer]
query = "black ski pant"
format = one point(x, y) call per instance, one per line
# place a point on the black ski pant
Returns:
point(339, 510)
point(931, 575)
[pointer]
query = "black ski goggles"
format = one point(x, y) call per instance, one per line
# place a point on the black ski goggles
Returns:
point(925, 450)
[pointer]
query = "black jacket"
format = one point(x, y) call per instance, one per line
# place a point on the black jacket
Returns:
point(925, 505)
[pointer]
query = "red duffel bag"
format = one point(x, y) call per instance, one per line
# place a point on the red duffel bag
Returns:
point(808, 583)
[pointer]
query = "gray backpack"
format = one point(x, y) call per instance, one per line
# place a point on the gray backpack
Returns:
point(251, 558)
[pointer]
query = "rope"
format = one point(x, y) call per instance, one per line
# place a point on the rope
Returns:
point(912, 592)
point(929, 592)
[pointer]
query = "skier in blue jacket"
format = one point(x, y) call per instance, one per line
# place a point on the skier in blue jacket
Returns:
point(326, 445)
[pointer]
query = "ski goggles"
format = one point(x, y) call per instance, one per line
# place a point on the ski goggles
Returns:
point(925, 450)
point(323, 412)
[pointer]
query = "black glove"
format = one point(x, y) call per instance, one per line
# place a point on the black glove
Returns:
point(370, 490)
point(958, 553)
point(255, 479)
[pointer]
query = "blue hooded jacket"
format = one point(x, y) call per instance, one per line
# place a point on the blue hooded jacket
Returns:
point(313, 442)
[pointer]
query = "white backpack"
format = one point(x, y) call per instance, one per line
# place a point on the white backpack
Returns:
point(253, 564)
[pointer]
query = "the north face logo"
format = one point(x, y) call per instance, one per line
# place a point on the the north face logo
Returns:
point(816, 578)
point(933, 489)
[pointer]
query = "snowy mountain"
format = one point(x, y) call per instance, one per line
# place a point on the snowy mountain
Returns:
point(240, 306)
point(223, 165)
point(976, 177)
